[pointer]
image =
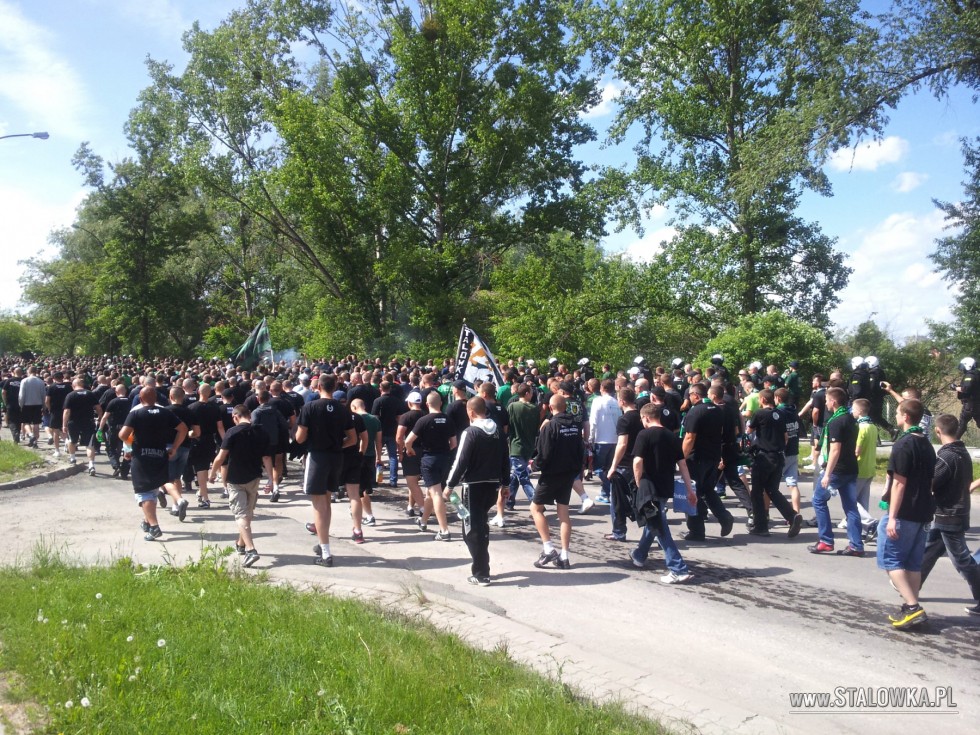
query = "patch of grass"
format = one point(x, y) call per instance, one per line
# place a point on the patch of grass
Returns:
point(881, 468)
point(16, 462)
point(199, 649)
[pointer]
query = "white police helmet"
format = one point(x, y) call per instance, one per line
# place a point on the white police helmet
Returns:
point(967, 363)
point(552, 361)
point(717, 358)
point(530, 363)
point(756, 365)
point(638, 360)
point(856, 362)
point(872, 361)
point(583, 362)
point(677, 363)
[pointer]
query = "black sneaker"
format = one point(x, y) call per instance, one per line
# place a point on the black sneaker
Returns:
point(318, 557)
point(478, 580)
point(727, 525)
point(162, 498)
point(115, 472)
point(563, 563)
point(442, 536)
point(423, 527)
point(795, 526)
point(251, 556)
point(546, 558)
point(91, 470)
point(370, 521)
point(761, 532)
point(182, 510)
point(691, 536)
point(153, 534)
point(275, 497)
point(975, 610)
point(240, 548)
point(203, 504)
point(144, 526)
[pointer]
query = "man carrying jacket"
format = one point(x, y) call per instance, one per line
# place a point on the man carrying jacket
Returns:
point(558, 455)
point(483, 467)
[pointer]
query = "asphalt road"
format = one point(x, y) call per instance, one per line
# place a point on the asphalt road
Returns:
point(761, 619)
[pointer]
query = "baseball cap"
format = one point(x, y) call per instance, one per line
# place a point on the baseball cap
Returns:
point(460, 385)
point(414, 397)
point(794, 363)
point(339, 395)
point(567, 386)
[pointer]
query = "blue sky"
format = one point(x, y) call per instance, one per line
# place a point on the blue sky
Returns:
point(73, 68)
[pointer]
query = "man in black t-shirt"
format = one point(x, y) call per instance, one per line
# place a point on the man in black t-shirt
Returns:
point(326, 427)
point(156, 435)
point(908, 492)
point(388, 407)
point(839, 476)
point(435, 434)
point(704, 428)
point(80, 410)
point(411, 465)
point(243, 447)
point(11, 402)
point(115, 411)
point(628, 426)
point(771, 436)
point(656, 453)
point(206, 414)
point(55, 403)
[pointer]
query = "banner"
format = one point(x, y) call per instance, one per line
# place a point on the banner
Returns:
point(474, 360)
point(257, 348)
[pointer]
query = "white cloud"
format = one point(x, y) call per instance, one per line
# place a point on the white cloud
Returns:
point(610, 92)
point(869, 156)
point(42, 86)
point(650, 245)
point(893, 281)
point(908, 181)
point(162, 16)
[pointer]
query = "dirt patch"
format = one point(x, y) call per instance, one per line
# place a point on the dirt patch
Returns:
point(18, 716)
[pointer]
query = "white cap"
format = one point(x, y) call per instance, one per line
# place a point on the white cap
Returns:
point(634, 370)
point(414, 397)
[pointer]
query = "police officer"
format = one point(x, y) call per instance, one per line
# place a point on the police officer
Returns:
point(876, 376)
point(721, 371)
point(859, 384)
point(968, 391)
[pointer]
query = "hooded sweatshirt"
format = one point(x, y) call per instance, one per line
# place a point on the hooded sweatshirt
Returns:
point(482, 455)
point(559, 448)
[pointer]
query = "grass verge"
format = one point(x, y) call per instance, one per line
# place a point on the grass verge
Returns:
point(198, 649)
point(16, 462)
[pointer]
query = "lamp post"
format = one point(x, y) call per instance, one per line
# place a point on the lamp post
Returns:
point(42, 135)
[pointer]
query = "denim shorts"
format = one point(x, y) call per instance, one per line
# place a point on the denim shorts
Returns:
point(145, 497)
point(904, 553)
point(791, 470)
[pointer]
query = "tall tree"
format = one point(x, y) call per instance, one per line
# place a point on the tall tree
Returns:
point(737, 102)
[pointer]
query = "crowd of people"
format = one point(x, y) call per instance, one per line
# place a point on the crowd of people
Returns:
point(650, 435)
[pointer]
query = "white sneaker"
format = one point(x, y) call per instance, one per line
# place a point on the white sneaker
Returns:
point(672, 578)
point(842, 525)
point(57, 454)
point(498, 521)
point(586, 506)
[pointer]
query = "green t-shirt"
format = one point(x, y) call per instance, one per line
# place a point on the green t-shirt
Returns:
point(504, 394)
point(751, 403)
point(525, 419)
point(867, 444)
point(372, 425)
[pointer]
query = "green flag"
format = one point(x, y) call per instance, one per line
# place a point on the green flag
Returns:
point(257, 347)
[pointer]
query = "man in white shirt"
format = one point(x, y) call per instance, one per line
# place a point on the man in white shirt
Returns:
point(602, 433)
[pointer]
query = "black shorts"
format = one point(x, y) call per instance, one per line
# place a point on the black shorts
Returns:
point(367, 478)
point(554, 489)
point(412, 466)
point(322, 473)
point(202, 455)
point(14, 416)
point(351, 473)
point(56, 419)
point(435, 468)
point(81, 433)
point(31, 414)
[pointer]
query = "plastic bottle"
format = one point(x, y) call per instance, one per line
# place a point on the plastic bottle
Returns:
point(461, 509)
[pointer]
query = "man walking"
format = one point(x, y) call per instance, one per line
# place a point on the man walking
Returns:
point(32, 395)
point(703, 433)
point(436, 437)
point(81, 408)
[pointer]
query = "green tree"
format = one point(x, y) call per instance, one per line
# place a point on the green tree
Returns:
point(737, 102)
point(60, 290)
point(15, 335)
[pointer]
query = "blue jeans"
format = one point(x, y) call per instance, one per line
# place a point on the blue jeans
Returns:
point(602, 458)
point(847, 488)
point(672, 557)
point(392, 448)
point(519, 478)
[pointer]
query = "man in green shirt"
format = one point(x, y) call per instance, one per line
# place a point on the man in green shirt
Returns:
point(506, 391)
point(866, 450)
point(525, 420)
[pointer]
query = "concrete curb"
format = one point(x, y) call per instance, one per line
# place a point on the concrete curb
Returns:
point(49, 476)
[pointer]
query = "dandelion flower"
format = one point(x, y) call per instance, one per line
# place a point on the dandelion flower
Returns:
point(98, 595)
point(138, 670)
point(85, 702)
point(45, 620)
point(161, 643)
point(132, 677)
point(320, 693)
point(64, 622)
point(40, 615)
point(69, 704)
point(129, 639)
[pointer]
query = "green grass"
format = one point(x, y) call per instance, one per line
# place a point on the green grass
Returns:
point(15, 461)
point(881, 468)
point(201, 650)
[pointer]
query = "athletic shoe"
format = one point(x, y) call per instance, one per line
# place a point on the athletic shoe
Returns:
point(57, 454)
point(251, 556)
point(71, 460)
point(144, 526)
point(153, 534)
point(479, 580)
point(691, 536)
point(614, 537)
point(602, 500)
point(546, 558)
point(820, 548)
point(224, 494)
point(410, 512)
point(761, 532)
point(115, 472)
point(673, 578)
point(240, 548)
point(50, 441)
point(203, 504)
point(908, 616)
point(812, 523)
point(795, 526)
point(275, 497)
point(357, 537)
point(497, 520)
point(727, 525)
point(181, 510)
point(91, 470)
point(423, 527)
point(975, 610)
point(636, 562)
point(850, 551)
point(442, 536)
point(321, 562)
point(586, 506)
point(311, 527)
point(563, 563)
point(162, 498)
point(370, 521)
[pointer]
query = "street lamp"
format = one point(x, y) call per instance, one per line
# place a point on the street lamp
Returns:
point(42, 136)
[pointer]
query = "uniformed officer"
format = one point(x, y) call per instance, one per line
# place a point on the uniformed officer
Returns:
point(968, 391)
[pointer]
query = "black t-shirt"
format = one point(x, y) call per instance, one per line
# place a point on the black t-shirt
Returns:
point(354, 450)
point(433, 432)
point(11, 394)
point(843, 430)
point(409, 419)
point(81, 404)
point(108, 397)
point(770, 429)
point(792, 428)
point(629, 425)
point(818, 403)
point(118, 409)
point(284, 406)
point(707, 422)
point(327, 422)
point(245, 443)
point(576, 409)
point(206, 415)
point(914, 458)
point(673, 400)
point(184, 415)
point(670, 419)
point(388, 408)
point(154, 428)
point(733, 420)
point(57, 393)
point(660, 450)
point(457, 414)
